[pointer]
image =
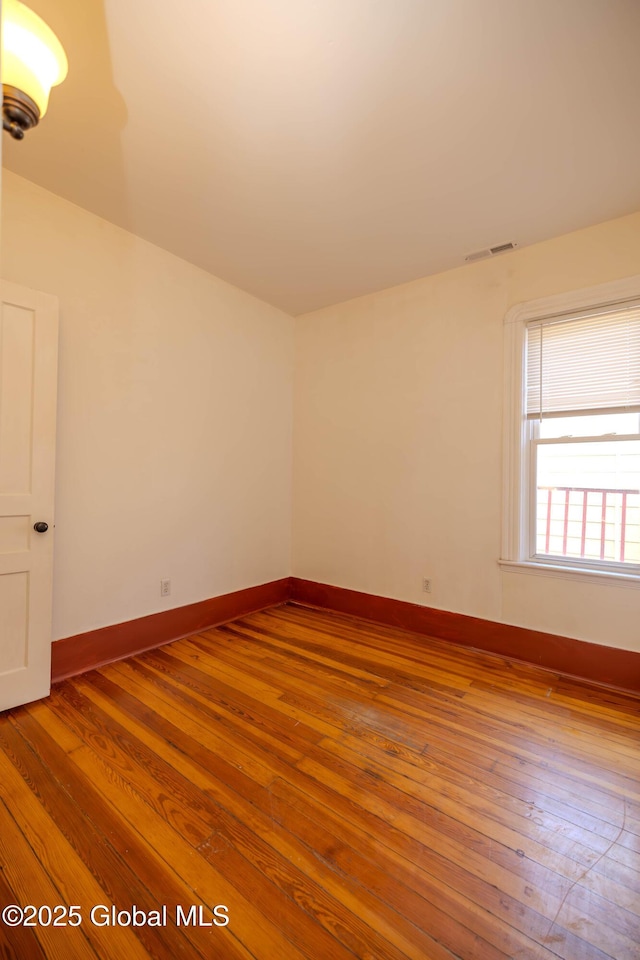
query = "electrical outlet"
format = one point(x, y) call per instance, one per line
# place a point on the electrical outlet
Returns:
point(165, 588)
point(426, 585)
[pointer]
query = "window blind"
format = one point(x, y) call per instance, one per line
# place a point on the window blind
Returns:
point(584, 364)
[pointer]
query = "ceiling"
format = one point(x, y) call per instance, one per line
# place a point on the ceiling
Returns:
point(310, 151)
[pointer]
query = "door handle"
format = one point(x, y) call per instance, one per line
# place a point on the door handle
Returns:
point(41, 526)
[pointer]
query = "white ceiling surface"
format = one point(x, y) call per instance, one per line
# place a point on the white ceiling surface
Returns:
point(310, 151)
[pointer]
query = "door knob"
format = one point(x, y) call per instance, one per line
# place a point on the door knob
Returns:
point(41, 526)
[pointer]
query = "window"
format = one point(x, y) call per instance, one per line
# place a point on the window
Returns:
point(572, 471)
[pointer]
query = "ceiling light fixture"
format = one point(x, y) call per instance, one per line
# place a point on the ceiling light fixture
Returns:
point(33, 61)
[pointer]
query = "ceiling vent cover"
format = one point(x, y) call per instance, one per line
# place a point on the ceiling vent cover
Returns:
point(490, 252)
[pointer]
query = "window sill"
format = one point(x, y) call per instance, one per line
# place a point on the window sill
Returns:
point(541, 568)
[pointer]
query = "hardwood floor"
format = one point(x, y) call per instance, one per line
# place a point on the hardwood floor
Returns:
point(332, 788)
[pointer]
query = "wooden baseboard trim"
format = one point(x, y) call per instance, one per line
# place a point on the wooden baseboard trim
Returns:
point(593, 662)
point(74, 655)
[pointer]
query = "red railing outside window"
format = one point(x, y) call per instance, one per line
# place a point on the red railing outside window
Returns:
point(589, 522)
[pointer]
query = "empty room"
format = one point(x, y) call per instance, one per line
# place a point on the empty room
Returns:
point(320, 480)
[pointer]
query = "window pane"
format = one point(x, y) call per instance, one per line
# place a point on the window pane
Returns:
point(588, 500)
point(590, 426)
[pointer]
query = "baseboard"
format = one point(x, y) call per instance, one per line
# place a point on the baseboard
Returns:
point(575, 658)
point(85, 651)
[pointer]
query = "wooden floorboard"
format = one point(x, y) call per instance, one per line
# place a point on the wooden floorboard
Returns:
point(332, 788)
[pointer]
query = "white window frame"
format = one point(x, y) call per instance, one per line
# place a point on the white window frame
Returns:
point(517, 506)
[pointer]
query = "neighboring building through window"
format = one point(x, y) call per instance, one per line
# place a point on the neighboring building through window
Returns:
point(573, 435)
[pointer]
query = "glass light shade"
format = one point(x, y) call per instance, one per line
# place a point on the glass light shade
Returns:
point(33, 59)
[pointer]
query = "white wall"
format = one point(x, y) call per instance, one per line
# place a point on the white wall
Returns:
point(174, 428)
point(398, 440)
point(174, 444)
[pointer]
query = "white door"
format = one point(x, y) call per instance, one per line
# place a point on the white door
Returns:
point(28, 377)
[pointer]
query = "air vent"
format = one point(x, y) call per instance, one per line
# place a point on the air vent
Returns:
point(490, 252)
point(502, 248)
point(478, 255)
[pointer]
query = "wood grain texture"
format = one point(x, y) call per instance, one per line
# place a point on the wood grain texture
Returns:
point(596, 663)
point(344, 788)
point(575, 658)
point(72, 656)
